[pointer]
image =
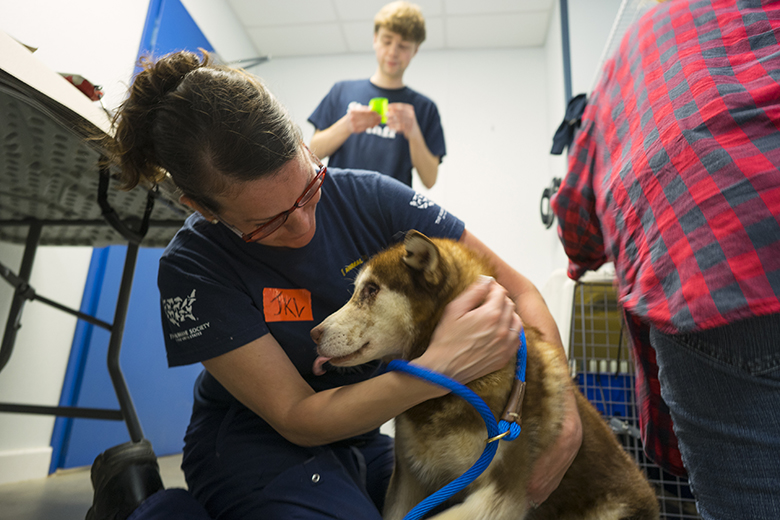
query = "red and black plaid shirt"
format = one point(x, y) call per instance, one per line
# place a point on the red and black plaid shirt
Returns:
point(675, 176)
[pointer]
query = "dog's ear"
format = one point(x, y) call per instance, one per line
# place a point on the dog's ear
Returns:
point(422, 255)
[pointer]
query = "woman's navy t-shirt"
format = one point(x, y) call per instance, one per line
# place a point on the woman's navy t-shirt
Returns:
point(219, 293)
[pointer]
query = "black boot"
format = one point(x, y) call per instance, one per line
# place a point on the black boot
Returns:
point(123, 477)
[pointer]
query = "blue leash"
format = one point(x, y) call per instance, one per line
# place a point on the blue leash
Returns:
point(505, 430)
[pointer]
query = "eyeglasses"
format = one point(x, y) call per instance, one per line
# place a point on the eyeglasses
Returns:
point(278, 221)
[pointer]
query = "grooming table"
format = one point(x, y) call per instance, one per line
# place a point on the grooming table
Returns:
point(53, 191)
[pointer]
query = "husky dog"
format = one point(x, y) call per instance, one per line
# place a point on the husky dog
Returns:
point(399, 298)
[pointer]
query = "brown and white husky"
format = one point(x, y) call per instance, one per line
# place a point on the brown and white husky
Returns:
point(398, 300)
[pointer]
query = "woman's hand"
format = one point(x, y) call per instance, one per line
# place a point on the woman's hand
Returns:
point(550, 467)
point(477, 334)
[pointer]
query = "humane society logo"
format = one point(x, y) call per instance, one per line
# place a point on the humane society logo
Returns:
point(178, 310)
point(420, 201)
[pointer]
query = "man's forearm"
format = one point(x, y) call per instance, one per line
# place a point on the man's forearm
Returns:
point(325, 142)
point(426, 164)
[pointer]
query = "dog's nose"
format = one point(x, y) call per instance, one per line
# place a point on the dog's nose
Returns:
point(316, 334)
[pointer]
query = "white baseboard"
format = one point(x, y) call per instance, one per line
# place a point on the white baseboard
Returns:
point(26, 464)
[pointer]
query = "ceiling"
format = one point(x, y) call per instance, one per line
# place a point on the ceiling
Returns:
point(286, 28)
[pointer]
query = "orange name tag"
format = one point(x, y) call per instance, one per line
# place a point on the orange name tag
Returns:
point(287, 305)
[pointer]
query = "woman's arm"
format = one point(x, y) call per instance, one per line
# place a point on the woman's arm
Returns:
point(552, 465)
point(472, 339)
point(262, 377)
point(530, 304)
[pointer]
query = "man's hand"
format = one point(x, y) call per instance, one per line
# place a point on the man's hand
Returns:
point(402, 119)
point(361, 118)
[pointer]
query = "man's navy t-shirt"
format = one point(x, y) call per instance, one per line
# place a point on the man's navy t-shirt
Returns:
point(380, 148)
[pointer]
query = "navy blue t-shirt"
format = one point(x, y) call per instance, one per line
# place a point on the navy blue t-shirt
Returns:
point(379, 148)
point(219, 293)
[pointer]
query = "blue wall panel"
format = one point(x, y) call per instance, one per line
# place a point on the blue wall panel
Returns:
point(162, 396)
point(176, 31)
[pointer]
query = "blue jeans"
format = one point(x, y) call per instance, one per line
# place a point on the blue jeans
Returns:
point(723, 389)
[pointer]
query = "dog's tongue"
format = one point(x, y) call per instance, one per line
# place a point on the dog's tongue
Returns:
point(317, 368)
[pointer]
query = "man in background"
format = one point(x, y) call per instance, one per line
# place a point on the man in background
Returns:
point(353, 135)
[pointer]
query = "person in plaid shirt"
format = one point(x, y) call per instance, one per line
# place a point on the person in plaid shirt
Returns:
point(674, 175)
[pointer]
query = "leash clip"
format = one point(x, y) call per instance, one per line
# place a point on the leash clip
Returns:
point(497, 437)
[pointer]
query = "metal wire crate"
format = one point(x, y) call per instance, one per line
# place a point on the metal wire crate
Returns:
point(600, 360)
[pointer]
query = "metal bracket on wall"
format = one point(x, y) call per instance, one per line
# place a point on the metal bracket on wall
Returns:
point(548, 217)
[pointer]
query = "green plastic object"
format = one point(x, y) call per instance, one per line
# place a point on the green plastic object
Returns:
point(379, 105)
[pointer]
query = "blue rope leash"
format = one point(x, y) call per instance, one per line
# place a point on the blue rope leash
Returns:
point(502, 430)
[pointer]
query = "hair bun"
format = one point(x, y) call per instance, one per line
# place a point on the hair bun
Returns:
point(206, 125)
point(160, 77)
point(133, 146)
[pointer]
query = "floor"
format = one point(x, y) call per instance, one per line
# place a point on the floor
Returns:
point(66, 495)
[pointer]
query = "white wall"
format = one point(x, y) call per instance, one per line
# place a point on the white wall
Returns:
point(222, 28)
point(493, 105)
point(590, 22)
point(35, 371)
point(96, 40)
point(556, 108)
point(499, 110)
point(99, 41)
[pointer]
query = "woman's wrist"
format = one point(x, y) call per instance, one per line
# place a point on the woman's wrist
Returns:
point(427, 390)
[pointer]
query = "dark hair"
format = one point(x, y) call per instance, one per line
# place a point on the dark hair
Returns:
point(208, 126)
